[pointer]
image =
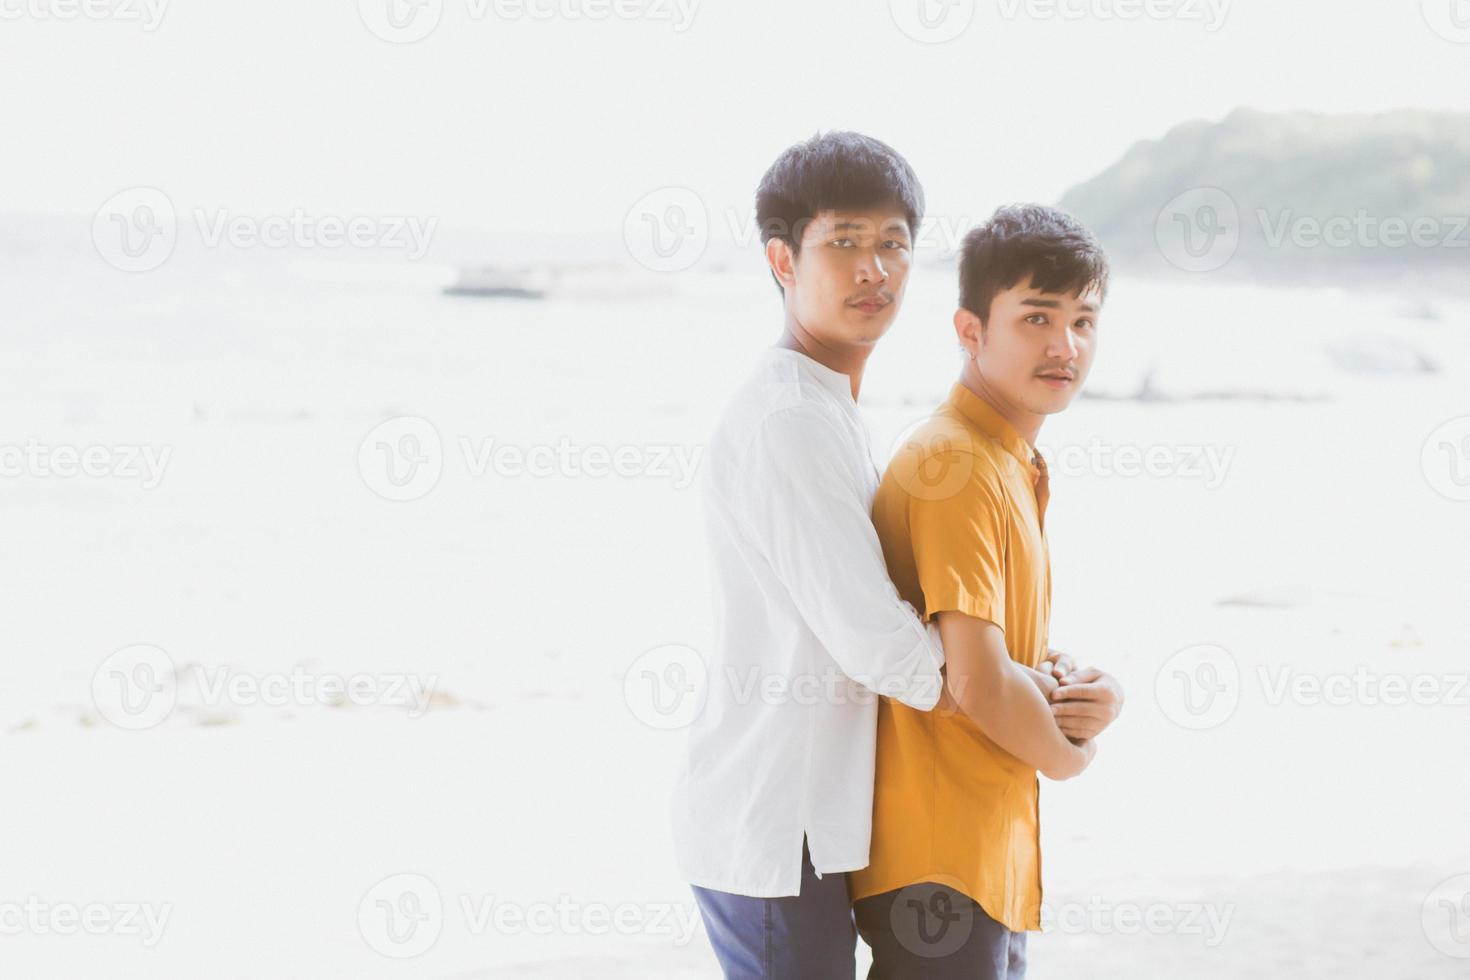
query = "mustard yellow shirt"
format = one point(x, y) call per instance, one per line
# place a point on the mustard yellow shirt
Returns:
point(960, 513)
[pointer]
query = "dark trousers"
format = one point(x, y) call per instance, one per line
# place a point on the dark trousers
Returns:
point(806, 937)
point(930, 932)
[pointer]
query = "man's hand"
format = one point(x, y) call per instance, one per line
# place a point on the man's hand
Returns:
point(1057, 664)
point(1085, 702)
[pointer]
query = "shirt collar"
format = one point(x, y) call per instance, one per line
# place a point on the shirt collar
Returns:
point(839, 383)
point(983, 416)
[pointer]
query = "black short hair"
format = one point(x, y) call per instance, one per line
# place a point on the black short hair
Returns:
point(837, 171)
point(1020, 241)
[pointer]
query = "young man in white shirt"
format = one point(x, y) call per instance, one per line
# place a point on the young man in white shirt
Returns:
point(775, 804)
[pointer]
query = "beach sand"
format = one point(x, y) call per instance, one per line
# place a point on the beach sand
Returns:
point(1318, 546)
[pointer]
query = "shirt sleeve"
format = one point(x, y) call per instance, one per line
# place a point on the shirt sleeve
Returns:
point(803, 504)
point(959, 544)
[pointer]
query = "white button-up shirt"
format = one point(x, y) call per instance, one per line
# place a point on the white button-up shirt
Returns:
point(807, 627)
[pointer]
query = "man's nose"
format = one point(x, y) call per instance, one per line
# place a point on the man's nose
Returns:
point(871, 269)
point(1064, 345)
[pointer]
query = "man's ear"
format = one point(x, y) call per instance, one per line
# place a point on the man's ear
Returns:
point(968, 329)
point(782, 261)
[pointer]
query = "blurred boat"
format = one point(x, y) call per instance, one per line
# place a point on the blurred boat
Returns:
point(490, 281)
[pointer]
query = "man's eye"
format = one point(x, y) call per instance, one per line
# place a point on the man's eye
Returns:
point(844, 242)
point(1037, 318)
point(1085, 324)
point(895, 243)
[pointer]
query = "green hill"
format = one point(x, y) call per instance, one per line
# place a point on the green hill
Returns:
point(1290, 193)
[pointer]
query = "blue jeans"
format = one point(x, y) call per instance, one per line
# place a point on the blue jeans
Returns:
point(930, 932)
point(810, 936)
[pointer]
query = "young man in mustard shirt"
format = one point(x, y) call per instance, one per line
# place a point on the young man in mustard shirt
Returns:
point(954, 880)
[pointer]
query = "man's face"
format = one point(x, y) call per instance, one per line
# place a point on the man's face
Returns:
point(1036, 348)
point(848, 279)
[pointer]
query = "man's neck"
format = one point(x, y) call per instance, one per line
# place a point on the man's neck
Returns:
point(1027, 424)
point(846, 360)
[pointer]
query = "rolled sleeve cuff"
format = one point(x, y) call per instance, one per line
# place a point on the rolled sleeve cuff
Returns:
point(920, 684)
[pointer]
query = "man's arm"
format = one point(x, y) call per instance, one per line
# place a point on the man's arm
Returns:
point(1045, 682)
point(1000, 697)
point(803, 504)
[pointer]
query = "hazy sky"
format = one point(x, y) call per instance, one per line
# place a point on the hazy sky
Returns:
point(559, 120)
